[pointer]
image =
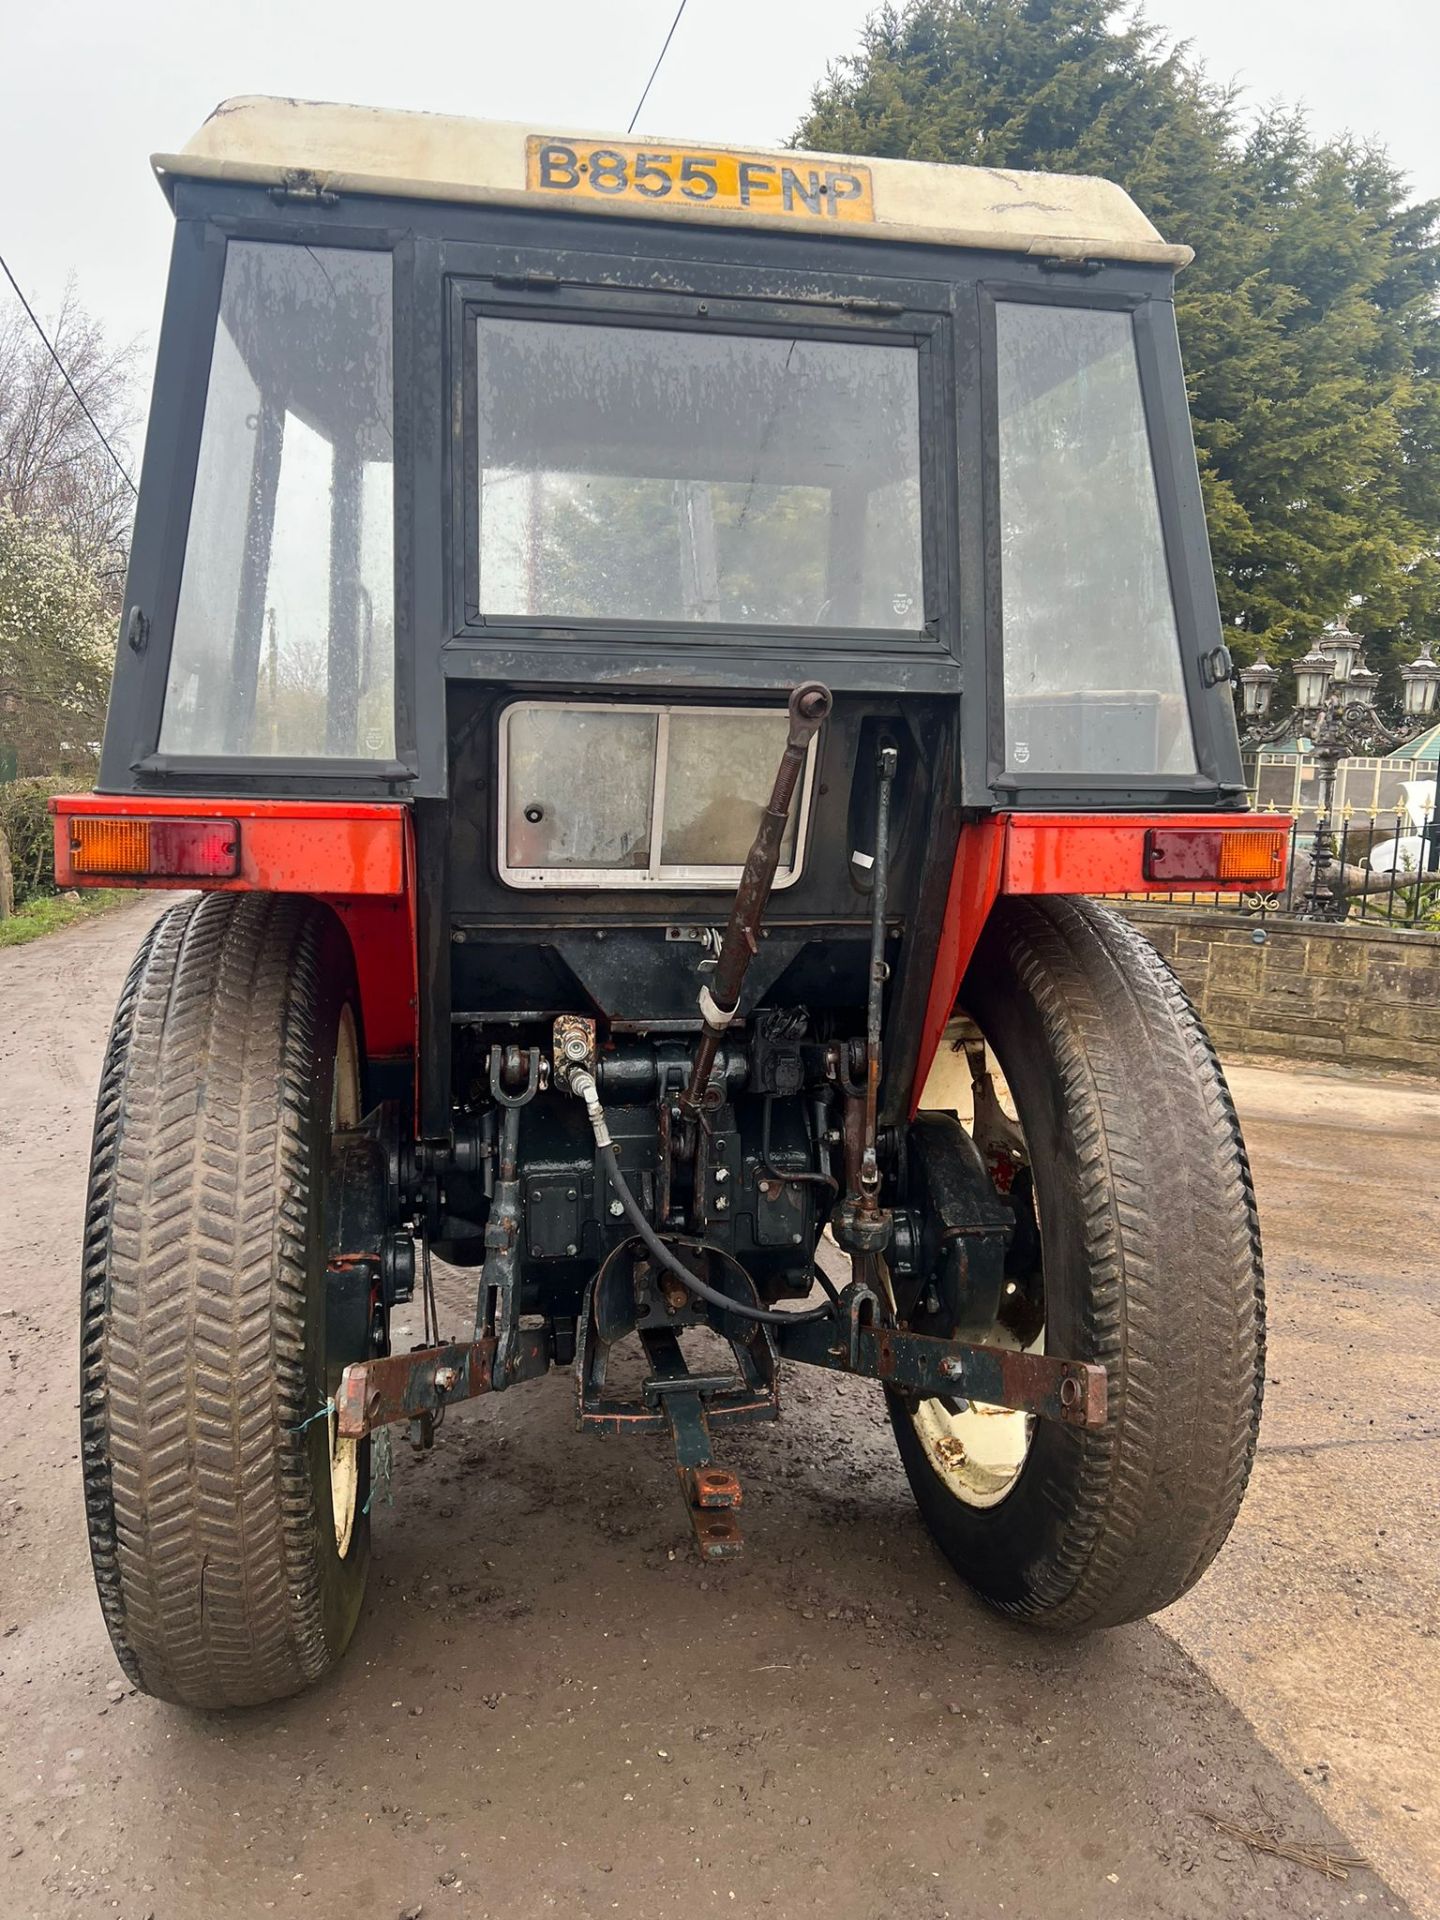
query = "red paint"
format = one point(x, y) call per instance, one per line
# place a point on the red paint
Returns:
point(356, 856)
point(974, 884)
point(286, 846)
point(1105, 853)
point(1038, 853)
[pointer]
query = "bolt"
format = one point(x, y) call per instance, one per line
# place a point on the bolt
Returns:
point(572, 1248)
point(721, 1202)
point(795, 1239)
point(952, 1369)
point(617, 1207)
point(446, 1379)
point(569, 1193)
point(722, 1174)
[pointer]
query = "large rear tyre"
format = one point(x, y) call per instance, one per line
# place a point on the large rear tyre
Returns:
point(1149, 1264)
point(227, 1523)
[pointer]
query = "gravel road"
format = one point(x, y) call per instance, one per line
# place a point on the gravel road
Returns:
point(551, 1708)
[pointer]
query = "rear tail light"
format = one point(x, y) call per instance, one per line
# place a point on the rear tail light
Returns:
point(155, 849)
point(1241, 856)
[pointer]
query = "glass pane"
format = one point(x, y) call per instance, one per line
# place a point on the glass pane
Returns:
point(635, 473)
point(1390, 798)
point(579, 787)
point(718, 775)
point(285, 634)
point(1092, 653)
point(1276, 788)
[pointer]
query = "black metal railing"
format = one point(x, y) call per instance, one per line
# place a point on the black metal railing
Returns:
point(1362, 868)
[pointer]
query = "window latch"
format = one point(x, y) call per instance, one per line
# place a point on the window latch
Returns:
point(1216, 667)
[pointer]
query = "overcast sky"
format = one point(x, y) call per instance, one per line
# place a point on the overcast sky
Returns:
point(90, 89)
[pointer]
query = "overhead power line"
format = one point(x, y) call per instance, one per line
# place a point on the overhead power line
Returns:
point(657, 66)
point(64, 372)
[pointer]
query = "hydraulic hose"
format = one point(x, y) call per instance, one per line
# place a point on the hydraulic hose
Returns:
point(583, 1084)
point(658, 1251)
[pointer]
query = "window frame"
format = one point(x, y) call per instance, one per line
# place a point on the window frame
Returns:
point(655, 876)
point(132, 756)
point(474, 292)
point(1187, 556)
point(648, 316)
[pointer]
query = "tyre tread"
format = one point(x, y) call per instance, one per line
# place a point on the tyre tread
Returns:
point(194, 1371)
point(1173, 1302)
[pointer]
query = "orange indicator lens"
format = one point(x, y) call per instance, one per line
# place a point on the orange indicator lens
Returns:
point(110, 846)
point(1254, 855)
point(156, 848)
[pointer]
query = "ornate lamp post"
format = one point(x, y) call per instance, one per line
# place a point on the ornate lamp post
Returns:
point(1257, 690)
point(1313, 675)
point(1421, 683)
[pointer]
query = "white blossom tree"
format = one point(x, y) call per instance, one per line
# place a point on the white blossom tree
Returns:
point(57, 645)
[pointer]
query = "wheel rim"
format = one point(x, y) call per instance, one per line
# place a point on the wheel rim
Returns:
point(978, 1451)
point(344, 1454)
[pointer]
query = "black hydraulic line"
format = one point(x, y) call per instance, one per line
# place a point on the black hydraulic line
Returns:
point(658, 1251)
point(806, 1179)
point(886, 764)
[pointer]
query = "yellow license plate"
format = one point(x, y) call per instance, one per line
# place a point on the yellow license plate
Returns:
point(798, 189)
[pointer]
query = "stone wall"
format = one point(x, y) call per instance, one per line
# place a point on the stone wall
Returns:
point(1362, 995)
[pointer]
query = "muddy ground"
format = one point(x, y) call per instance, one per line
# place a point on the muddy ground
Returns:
point(550, 1708)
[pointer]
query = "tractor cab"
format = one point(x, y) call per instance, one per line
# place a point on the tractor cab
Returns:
point(639, 649)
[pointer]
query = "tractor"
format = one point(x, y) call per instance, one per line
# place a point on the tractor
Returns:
point(640, 659)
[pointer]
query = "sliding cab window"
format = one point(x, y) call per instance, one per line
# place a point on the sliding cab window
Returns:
point(652, 474)
point(1092, 667)
point(600, 794)
point(284, 638)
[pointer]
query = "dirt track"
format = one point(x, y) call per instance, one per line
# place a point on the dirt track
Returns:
point(551, 1709)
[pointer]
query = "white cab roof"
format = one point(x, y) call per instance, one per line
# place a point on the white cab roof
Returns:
point(432, 156)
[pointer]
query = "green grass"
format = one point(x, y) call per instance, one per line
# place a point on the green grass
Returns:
point(49, 913)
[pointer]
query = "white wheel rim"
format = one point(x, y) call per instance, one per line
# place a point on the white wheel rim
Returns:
point(344, 1485)
point(344, 1454)
point(977, 1451)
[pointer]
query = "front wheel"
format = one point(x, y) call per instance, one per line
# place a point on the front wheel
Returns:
point(227, 1521)
point(1147, 1262)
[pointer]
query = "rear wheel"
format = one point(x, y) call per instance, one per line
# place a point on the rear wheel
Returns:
point(227, 1525)
point(1148, 1263)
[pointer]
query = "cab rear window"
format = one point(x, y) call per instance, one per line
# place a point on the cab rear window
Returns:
point(636, 474)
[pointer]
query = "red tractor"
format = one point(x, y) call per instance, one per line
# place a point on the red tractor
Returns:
point(632, 652)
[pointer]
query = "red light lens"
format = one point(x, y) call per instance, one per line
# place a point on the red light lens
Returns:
point(155, 848)
point(1241, 856)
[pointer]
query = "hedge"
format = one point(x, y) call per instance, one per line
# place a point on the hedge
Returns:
point(25, 821)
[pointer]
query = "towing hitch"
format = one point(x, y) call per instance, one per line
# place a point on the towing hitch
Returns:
point(626, 1296)
point(857, 1341)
